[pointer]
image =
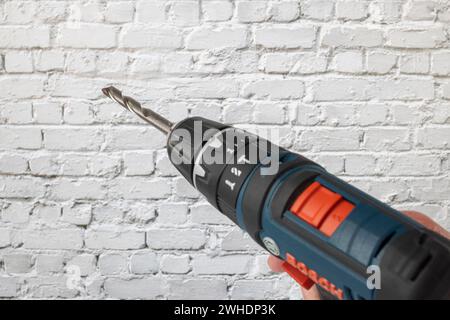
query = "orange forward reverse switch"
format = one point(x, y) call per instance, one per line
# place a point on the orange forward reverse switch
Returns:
point(322, 208)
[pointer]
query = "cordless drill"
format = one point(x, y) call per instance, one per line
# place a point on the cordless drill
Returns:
point(326, 231)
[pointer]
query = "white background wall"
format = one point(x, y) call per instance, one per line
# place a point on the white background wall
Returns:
point(363, 87)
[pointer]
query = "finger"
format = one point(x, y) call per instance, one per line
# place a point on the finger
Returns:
point(427, 222)
point(311, 294)
point(275, 264)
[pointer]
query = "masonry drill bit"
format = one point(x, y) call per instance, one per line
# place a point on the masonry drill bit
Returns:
point(158, 121)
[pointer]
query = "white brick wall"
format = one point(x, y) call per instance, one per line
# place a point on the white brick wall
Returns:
point(363, 87)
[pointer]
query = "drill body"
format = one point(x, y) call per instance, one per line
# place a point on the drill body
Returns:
point(327, 232)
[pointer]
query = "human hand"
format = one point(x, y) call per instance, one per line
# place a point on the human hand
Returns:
point(313, 294)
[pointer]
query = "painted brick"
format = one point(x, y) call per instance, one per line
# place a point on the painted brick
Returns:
point(150, 11)
point(214, 289)
point(47, 112)
point(24, 37)
point(139, 37)
point(210, 38)
point(17, 113)
point(85, 262)
point(112, 264)
point(21, 87)
point(144, 263)
point(251, 11)
point(172, 238)
point(430, 138)
point(13, 164)
point(119, 12)
point(306, 63)
point(17, 263)
point(184, 13)
point(385, 11)
point(81, 37)
point(340, 89)
point(381, 62)
point(54, 239)
point(275, 89)
point(387, 139)
point(78, 214)
point(175, 264)
point(349, 62)
point(12, 187)
point(317, 9)
point(48, 263)
point(112, 239)
point(421, 10)
point(5, 238)
point(208, 89)
point(351, 10)
point(16, 212)
point(9, 287)
point(138, 163)
point(134, 288)
point(329, 140)
point(285, 37)
point(253, 289)
point(419, 38)
point(18, 62)
point(232, 264)
point(284, 11)
point(81, 139)
point(352, 37)
point(415, 63)
point(205, 214)
point(441, 64)
point(20, 12)
point(217, 10)
point(172, 213)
